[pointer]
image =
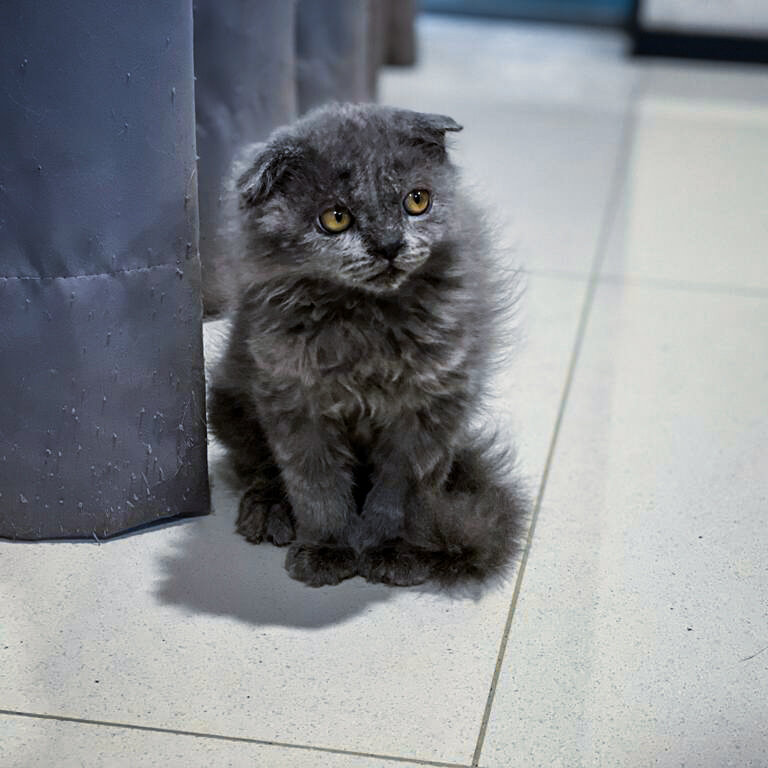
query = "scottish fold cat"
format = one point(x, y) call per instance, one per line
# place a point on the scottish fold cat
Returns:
point(365, 328)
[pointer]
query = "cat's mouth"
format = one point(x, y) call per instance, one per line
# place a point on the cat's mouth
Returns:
point(388, 277)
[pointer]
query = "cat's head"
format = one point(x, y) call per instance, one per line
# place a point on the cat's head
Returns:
point(357, 194)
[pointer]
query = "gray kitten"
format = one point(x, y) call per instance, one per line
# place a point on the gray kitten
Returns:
point(359, 355)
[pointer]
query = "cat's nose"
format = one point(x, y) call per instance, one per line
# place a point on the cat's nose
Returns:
point(390, 250)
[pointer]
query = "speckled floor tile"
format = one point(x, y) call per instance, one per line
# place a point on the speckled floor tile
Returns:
point(694, 204)
point(704, 82)
point(41, 743)
point(640, 634)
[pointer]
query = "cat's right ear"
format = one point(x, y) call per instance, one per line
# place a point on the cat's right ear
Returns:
point(266, 165)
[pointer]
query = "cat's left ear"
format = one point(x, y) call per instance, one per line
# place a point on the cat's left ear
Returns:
point(438, 124)
point(427, 131)
point(266, 166)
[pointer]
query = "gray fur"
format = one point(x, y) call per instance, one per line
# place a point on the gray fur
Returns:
point(352, 377)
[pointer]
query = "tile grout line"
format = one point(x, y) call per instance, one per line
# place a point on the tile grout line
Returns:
point(225, 737)
point(689, 286)
point(612, 205)
point(661, 283)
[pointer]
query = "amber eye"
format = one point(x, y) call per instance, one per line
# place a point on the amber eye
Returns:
point(416, 202)
point(335, 220)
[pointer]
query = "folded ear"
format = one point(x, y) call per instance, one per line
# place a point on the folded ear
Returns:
point(437, 124)
point(266, 166)
point(427, 131)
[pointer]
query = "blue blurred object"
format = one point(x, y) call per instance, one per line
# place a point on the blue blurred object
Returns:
point(580, 11)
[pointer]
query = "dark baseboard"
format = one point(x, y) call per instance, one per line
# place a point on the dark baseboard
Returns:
point(697, 46)
point(600, 13)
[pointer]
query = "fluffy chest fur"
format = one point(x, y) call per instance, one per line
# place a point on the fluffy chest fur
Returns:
point(339, 355)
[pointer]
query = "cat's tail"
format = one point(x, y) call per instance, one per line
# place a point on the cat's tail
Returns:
point(473, 525)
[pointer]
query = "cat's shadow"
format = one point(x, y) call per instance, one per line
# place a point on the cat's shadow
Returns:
point(213, 570)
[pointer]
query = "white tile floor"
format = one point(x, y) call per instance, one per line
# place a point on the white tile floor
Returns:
point(636, 631)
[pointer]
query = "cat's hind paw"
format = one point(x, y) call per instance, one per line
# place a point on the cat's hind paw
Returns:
point(396, 564)
point(318, 565)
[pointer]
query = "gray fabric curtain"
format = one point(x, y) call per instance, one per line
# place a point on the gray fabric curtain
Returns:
point(333, 60)
point(101, 379)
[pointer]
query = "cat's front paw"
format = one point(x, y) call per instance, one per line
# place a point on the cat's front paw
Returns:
point(395, 563)
point(260, 520)
point(380, 520)
point(319, 565)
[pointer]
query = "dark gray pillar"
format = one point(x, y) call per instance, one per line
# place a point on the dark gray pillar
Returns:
point(244, 65)
point(399, 32)
point(391, 37)
point(101, 379)
point(332, 48)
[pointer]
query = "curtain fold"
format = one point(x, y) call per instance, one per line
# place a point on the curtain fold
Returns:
point(101, 378)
